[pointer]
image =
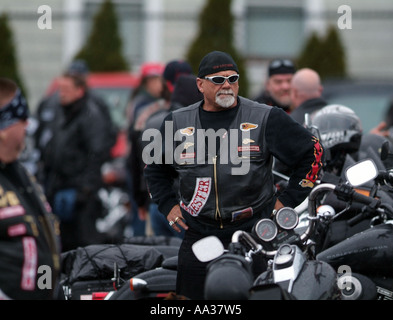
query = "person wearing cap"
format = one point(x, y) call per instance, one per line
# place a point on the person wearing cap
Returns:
point(149, 105)
point(151, 88)
point(217, 195)
point(278, 85)
point(29, 237)
point(173, 70)
point(185, 92)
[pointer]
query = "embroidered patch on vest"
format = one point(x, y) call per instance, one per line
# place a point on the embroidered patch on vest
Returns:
point(16, 230)
point(306, 183)
point(199, 199)
point(248, 149)
point(10, 212)
point(247, 126)
point(247, 141)
point(189, 131)
point(30, 260)
point(189, 155)
point(188, 145)
point(242, 214)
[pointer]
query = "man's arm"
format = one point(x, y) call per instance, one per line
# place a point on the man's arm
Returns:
point(297, 148)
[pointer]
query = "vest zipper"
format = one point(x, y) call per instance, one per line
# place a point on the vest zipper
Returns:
point(217, 214)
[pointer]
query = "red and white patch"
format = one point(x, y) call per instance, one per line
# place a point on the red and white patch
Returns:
point(199, 199)
point(242, 214)
point(10, 212)
point(16, 230)
point(189, 155)
point(29, 263)
point(248, 149)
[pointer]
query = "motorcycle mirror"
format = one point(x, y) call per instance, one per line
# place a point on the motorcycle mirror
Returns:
point(361, 172)
point(208, 248)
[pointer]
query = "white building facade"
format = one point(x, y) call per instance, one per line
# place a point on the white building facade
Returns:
point(162, 30)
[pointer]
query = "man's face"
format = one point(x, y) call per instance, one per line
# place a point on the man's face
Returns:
point(68, 91)
point(154, 85)
point(219, 96)
point(12, 141)
point(279, 87)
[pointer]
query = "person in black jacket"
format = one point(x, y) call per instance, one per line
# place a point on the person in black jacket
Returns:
point(185, 92)
point(217, 195)
point(72, 161)
point(29, 237)
point(49, 108)
point(306, 94)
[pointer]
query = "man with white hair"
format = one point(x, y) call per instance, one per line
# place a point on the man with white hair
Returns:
point(306, 94)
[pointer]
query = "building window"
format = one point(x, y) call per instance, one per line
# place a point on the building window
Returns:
point(274, 31)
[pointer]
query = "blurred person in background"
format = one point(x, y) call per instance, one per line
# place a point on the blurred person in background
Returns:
point(306, 94)
point(29, 236)
point(72, 161)
point(278, 85)
point(49, 109)
point(306, 97)
point(170, 74)
point(150, 89)
point(185, 93)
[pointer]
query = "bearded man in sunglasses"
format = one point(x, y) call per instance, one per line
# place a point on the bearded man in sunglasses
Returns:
point(213, 198)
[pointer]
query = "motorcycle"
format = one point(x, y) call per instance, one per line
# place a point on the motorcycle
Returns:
point(366, 257)
point(294, 272)
point(277, 260)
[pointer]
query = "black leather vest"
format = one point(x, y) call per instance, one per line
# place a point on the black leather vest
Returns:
point(232, 184)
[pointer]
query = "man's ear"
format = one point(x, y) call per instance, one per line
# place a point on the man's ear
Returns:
point(199, 83)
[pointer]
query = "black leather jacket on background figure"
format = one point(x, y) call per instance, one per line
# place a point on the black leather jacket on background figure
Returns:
point(29, 238)
point(77, 150)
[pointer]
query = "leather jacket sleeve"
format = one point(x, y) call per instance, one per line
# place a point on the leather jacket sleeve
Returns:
point(298, 149)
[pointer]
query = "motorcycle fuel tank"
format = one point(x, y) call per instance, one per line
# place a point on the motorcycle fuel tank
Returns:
point(303, 279)
point(370, 251)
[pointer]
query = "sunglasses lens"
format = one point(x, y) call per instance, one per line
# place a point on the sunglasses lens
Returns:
point(221, 79)
point(218, 80)
point(233, 79)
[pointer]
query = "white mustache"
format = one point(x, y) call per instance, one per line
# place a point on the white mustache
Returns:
point(225, 92)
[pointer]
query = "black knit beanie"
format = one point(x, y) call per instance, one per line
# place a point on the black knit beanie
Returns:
point(216, 61)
